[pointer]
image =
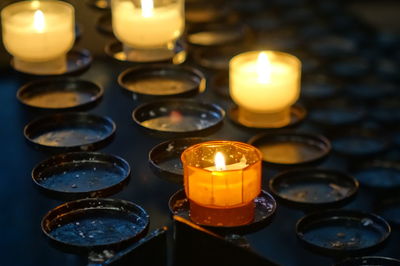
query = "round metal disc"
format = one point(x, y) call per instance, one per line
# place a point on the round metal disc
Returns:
point(383, 175)
point(59, 94)
point(77, 61)
point(70, 131)
point(291, 148)
point(265, 207)
point(359, 143)
point(177, 117)
point(163, 80)
point(81, 174)
point(369, 261)
point(313, 187)
point(297, 115)
point(218, 35)
point(95, 224)
point(177, 56)
point(165, 158)
point(340, 232)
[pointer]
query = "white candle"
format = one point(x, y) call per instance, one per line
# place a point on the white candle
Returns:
point(264, 84)
point(147, 24)
point(38, 31)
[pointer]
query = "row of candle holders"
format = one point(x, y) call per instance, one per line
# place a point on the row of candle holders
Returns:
point(97, 175)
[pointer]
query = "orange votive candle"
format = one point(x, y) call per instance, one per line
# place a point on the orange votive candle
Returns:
point(222, 179)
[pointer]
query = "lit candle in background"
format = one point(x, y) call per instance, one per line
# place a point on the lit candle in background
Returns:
point(264, 85)
point(38, 33)
point(222, 194)
point(148, 23)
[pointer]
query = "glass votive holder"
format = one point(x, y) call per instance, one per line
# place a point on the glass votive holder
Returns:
point(222, 179)
point(148, 29)
point(38, 34)
point(264, 85)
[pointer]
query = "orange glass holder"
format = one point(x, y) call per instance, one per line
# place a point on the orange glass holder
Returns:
point(222, 197)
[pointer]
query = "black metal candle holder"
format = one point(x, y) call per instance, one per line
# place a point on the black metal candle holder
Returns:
point(378, 175)
point(265, 207)
point(368, 260)
point(165, 158)
point(291, 148)
point(81, 174)
point(163, 80)
point(96, 224)
point(339, 233)
point(77, 61)
point(213, 35)
point(313, 188)
point(297, 115)
point(60, 94)
point(178, 118)
point(70, 131)
point(177, 55)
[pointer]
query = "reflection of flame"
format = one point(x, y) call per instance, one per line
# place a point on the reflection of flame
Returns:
point(147, 8)
point(175, 117)
point(38, 21)
point(263, 68)
point(219, 161)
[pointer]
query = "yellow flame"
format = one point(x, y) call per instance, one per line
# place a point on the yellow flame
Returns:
point(219, 161)
point(263, 68)
point(147, 8)
point(38, 21)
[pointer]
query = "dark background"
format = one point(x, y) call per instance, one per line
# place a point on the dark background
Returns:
point(23, 206)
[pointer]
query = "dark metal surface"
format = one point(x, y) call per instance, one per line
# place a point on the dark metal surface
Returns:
point(23, 206)
point(59, 94)
point(264, 210)
point(163, 80)
point(77, 175)
point(95, 224)
point(368, 260)
point(313, 188)
point(70, 131)
point(289, 148)
point(177, 117)
point(297, 115)
point(342, 233)
point(165, 158)
point(78, 60)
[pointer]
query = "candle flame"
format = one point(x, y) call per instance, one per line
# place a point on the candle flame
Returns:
point(38, 21)
point(147, 8)
point(263, 68)
point(219, 161)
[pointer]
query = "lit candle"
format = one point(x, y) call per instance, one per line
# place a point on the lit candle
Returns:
point(264, 85)
point(148, 23)
point(38, 32)
point(222, 178)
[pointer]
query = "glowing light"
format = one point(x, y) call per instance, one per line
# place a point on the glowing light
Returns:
point(263, 68)
point(147, 8)
point(35, 4)
point(219, 161)
point(38, 21)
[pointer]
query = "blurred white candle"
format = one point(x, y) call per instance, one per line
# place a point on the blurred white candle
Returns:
point(38, 31)
point(264, 85)
point(146, 23)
